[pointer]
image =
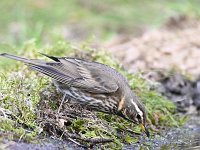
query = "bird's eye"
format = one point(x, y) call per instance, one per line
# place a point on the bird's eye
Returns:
point(139, 117)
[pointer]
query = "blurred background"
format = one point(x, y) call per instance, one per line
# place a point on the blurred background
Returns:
point(133, 30)
point(77, 20)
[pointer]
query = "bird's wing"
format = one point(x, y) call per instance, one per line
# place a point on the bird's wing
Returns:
point(52, 72)
point(89, 76)
point(92, 77)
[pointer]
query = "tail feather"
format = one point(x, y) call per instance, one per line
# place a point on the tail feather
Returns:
point(25, 60)
point(50, 69)
point(16, 58)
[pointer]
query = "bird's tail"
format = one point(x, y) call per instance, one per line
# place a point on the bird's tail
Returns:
point(27, 61)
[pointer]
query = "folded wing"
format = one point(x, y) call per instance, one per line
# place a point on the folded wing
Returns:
point(89, 76)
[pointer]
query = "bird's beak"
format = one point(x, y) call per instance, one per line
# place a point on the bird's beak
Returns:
point(144, 129)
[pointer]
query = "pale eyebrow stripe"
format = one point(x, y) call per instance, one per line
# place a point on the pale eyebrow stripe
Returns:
point(137, 109)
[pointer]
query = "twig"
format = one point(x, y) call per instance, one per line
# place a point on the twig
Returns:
point(63, 98)
point(92, 141)
point(72, 140)
point(3, 112)
point(195, 147)
point(21, 137)
point(97, 140)
point(133, 132)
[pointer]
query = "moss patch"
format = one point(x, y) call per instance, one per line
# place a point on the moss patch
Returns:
point(21, 116)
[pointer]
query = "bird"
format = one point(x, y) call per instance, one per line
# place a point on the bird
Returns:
point(91, 84)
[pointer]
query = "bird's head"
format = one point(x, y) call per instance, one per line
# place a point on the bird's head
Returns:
point(134, 111)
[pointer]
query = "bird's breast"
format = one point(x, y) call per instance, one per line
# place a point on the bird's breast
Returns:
point(100, 102)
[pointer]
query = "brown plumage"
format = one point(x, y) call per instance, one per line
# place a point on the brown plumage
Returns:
point(91, 84)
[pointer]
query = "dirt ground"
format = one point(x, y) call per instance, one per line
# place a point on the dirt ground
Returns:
point(176, 45)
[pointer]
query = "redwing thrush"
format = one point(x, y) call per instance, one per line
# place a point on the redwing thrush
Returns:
point(91, 84)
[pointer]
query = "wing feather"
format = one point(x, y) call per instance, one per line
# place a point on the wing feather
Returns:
point(90, 76)
point(96, 78)
point(52, 73)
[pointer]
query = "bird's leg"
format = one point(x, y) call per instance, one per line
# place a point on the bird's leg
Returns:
point(63, 98)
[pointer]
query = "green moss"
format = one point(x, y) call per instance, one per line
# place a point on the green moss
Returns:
point(12, 130)
point(20, 90)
